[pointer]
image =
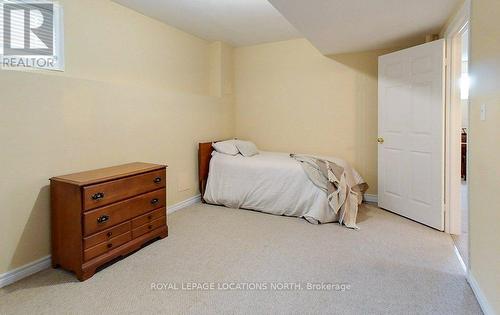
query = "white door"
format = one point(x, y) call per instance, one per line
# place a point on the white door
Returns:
point(411, 133)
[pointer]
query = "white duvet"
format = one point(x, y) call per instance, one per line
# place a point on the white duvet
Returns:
point(269, 182)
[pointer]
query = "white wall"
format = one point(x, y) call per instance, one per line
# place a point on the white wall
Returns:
point(484, 171)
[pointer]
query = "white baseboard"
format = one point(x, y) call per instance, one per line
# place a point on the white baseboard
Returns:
point(481, 298)
point(24, 271)
point(43, 263)
point(371, 198)
point(462, 263)
point(183, 204)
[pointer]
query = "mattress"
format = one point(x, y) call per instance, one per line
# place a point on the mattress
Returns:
point(269, 182)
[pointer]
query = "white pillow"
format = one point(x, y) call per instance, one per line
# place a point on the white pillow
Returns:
point(226, 147)
point(246, 148)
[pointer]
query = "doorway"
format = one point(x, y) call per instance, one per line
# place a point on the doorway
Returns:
point(461, 238)
point(457, 132)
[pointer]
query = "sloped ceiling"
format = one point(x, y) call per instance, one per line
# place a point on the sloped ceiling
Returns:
point(237, 22)
point(340, 26)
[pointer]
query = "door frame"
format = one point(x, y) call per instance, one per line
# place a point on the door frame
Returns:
point(452, 34)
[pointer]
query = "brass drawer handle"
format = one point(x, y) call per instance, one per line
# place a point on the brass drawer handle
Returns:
point(150, 217)
point(155, 201)
point(150, 227)
point(98, 196)
point(109, 234)
point(157, 180)
point(103, 219)
point(110, 245)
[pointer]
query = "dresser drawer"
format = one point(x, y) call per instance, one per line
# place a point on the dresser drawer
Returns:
point(103, 218)
point(103, 194)
point(148, 217)
point(148, 227)
point(107, 246)
point(106, 234)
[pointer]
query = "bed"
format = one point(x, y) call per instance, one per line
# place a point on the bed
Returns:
point(269, 182)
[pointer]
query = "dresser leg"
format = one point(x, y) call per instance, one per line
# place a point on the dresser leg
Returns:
point(85, 274)
point(164, 234)
point(54, 264)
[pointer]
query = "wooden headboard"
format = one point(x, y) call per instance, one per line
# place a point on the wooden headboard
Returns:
point(204, 155)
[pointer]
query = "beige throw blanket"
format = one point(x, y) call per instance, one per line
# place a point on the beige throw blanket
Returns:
point(343, 186)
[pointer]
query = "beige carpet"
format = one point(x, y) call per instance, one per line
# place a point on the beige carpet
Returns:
point(392, 265)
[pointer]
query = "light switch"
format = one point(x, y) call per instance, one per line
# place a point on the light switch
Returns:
point(483, 112)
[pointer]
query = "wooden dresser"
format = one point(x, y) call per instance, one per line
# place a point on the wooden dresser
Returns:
point(103, 214)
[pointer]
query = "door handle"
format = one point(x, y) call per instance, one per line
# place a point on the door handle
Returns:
point(380, 140)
